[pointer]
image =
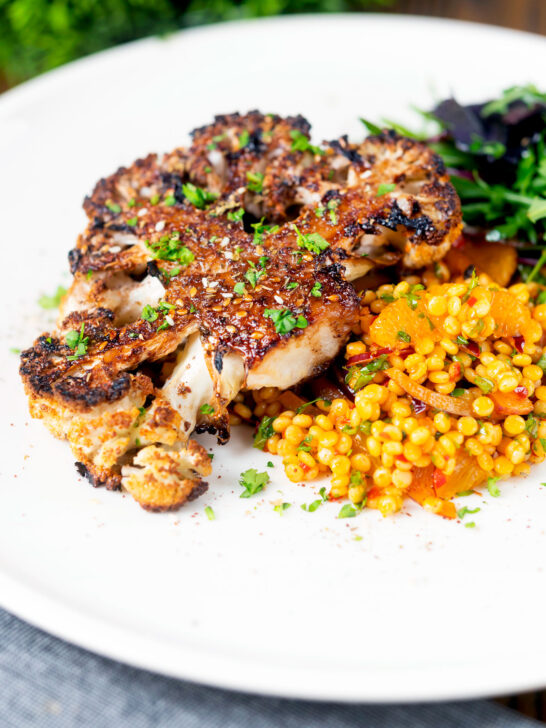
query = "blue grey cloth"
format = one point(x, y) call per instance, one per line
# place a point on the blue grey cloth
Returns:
point(47, 683)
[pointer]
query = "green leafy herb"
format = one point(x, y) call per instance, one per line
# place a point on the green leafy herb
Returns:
point(284, 320)
point(169, 200)
point(149, 313)
point(239, 288)
point(412, 299)
point(253, 482)
point(470, 524)
point(463, 511)
point(77, 342)
point(210, 513)
point(372, 128)
point(492, 487)
point(458, 392)
point(531, 425)
point(281, 507)
point(347, 511)
point(529, 95)
point(307, 404)
point(53, 301)
point(197, 195)
point(244, 139)
point(366, 373)
point(260, 230)
point(255, 181)
point(170, 247)
point(236, 215)
point(206, 409)
point(404, 336)
point(264, 432)
point(132, 221)
point(486, 385)
point(312, 507)
point(270, 464)
point(300, 143)
point(385, 188)
point(313, 242)
point(14, 350)
point(113, 207)
point(316, 290)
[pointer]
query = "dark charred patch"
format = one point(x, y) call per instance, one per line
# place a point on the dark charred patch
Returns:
point(200, 487)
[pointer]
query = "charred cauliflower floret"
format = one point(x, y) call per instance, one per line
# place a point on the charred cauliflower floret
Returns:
point(216, 268)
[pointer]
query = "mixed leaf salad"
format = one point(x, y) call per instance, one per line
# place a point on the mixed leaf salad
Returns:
point(496, 155)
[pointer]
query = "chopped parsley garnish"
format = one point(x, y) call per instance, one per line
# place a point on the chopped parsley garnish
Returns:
point(486, 385)
point(255, 181)
point(291, 285)
point(260, 230)
point(366, 373)
point(149, 313)
point(412, 299)
point(236, 215)
point(347, 511)
point(239, 288)
point(316, 290)
point(253, 482)
point(197, 195)
point(132, 202)
point(215, 140)
point(531, 425)
point(132, 221)
point(270, 464)
point(300, 143)
point(154, 199)
point(281, 507)
point(313, 242)
point(403, 336)
point(332, 207)
point(264, 432)
point(253, 275)
point(210, 513)
point(492, 487)
point(385, 188)
point(285, 320)
point(307, 404)
point(206, 409)
point(53, 301)
point(312, 507)
point(458, 392)
point(15, 350)
point(462, 512)
point(170, 247)
point(470, 524)
point(170, 200)
point(244, 139)
point(113, 207)
point(77, 342)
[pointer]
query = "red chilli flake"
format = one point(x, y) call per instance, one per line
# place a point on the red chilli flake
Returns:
point(438, 479)
point(472, 300)
point(366, 356)
point(472, 348)
point(418, 405)
point(519, 343)
point(404, 353)
point(456, 373)
point(521, 392)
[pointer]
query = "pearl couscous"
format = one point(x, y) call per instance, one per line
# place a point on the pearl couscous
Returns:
point(442, 392)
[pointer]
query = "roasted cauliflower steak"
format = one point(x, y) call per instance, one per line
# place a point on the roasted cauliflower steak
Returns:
point(215, 268)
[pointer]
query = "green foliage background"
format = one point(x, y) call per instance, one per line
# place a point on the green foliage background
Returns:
point(37, 35)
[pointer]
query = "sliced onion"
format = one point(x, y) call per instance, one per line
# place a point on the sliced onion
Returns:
point(453, 405)
point(366, 357)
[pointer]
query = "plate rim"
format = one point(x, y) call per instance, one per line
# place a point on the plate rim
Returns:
point(113, 641)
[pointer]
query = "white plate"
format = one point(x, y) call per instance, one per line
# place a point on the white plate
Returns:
point(420, 608)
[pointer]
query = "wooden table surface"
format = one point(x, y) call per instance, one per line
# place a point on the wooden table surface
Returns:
point(521, 14)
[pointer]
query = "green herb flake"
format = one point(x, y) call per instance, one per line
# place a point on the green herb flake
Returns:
point(77, 342)
point(210, 513)
point(255, 181)
point(347, 511)
point(239, 288)
point(284, 320)
point(461, 513)
point(281, 507)
point(149, 313)
point(313, 242)
point(53, 301)
point(384, 189)
point(493, 488)
point(264, 432)
point(198, 197)
point(316, 289)
point(132, 221)
point(300, 143)
point(403, 336)
point(206, 409)
point(253, 482)
point(113, 207)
